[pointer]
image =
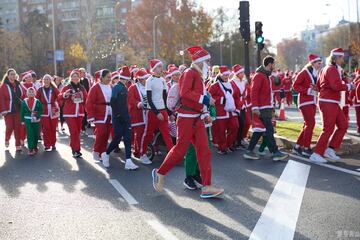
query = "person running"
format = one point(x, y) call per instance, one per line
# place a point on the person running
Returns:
point(192, 116)
point(47, 95)
point(120, 120)
point(73, 97)
point(330, 87)
point(11, 95)
point(305, 85)
point(263, 107)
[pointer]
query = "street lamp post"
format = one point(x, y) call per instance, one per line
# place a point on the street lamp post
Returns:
point(53, 36)
point(154, 34)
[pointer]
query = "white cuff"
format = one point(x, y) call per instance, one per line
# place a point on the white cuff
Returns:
point(349, 86)
point(222, 100)
point(138, 105)
point(22, 123)
point(254, 108)
point(201, 99)
point(64, 96)
point(91, 119)
point(309, 91)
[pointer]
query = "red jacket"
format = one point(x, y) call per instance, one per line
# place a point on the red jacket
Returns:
point(330, 85)
point(286, 84)
point(192, 93)
point(98, 103)
point(256, 124)
point(137, 115)
point(355, 94)
point(71, 108)
point(275, 88)
point(49, 103)
point(218, 93)
point(302, 84)
point(26, 86)
point(7, 98)
point(261, 92)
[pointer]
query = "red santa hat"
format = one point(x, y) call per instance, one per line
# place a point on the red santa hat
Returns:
point(174, 70)
point(357, 71)
point(125, 73)
point(134, 68)
point(170, 66)
point(224, 70)
point(237, 69)
point(141, 74)
point(115, 74)
point(47, 75)
point(98, 74)
point(313, 58)
point(75, 71)
point(182, 67)
point(198, 54)
point(30, 89)
point(25, 75)
point(154, 63)
point(337, 52)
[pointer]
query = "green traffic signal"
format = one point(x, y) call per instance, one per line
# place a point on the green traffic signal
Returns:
point(260, 40)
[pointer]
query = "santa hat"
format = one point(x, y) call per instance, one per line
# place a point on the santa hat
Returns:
point(224, 70)
point(182, 67)
point(155, 63)
point(198, 54)
point(174, 70)
point(357, 71)
point(25, 75)
point(29, 89)
point(125, 73)
point(114, 75)
point(337, 52)
point(313, 58)
point(237, 69)
point(99, 73)
point(47, 75)
point(74, 71)
point(33, 73)
point(167, 74)
point(134, 68)
point(170, 66)
point(141, 74)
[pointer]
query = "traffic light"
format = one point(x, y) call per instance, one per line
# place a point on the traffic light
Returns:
point(244, 20)
point(259, 39)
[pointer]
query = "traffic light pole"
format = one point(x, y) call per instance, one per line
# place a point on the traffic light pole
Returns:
point(258, 55)
point(247, 61)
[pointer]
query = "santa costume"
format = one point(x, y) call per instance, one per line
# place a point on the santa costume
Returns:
point(99, 112)
point(286, 86)
point(26, 83)
point(330, 99)
point(47, 95)
point(355, 97)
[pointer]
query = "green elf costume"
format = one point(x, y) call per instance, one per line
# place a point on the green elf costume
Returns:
point(30, 114)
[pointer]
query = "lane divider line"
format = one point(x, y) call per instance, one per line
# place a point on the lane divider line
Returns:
point(162, 230)
point(123, 192)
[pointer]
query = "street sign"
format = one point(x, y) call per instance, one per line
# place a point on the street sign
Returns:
point(50, 56)
point(59, 55)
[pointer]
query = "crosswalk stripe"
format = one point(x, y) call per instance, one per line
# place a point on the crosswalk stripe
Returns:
point(162, 230)
point(278, 220)
point(123, 192)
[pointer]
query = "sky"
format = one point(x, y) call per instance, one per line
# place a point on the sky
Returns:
point(286, 18)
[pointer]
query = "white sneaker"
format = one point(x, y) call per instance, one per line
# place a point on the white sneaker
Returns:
point(316, 158)
point(244, 141)
point(105, 159)
point(129, 165)
point(331, 155)
point(96, 156)
point(145, 160)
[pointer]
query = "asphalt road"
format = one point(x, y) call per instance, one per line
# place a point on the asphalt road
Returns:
point(53, 196)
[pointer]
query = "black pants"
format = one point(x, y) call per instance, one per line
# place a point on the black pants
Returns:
point(122, 130)
point(265, 117)
point(241, 119)
point(84, 122)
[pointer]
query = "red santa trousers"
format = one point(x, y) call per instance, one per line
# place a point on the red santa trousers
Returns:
point(22, 132)
point(48, 127)
point(190, 130)
point(357, 110)
point(288, 96)
point(215, 132)
point(74, 124)
point(332, 115)
point(247, 123)
point(308, 112)
point(346, 112)
point(12, 124)
point(102, 134)
point(153, 123)
point(137, 133)
point(227, 132)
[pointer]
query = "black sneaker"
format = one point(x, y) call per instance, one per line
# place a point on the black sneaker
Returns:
point(117, 150)
point(189, 183)
point(76, 154)
point(197, 178)
point(53, 148)
point(297, 151)
point(307, 152)
point(79, 153)
point(47, 149)
point(279, 156)
point(251, 155)
point(231, 149)
point(240, 147)
point(222, 152)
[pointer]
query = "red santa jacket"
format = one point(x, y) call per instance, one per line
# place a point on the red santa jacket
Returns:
point(331, 85)
point(25, 86)
point(135, 98)
point(355, 93)
point(256, 124)
point(98, 103)
point(241, 87)
point(348, 102)
point(192, 93)
point(8, 103)
point(261, 91)
point(286, 84)
point(217, 92)
point(74, 105)
point(302, 84)
point(274, 86)
point(49, 103)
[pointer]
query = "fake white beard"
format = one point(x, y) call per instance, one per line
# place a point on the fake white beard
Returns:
point(204, 71)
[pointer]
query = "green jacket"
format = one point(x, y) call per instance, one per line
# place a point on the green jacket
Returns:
point(26, 112)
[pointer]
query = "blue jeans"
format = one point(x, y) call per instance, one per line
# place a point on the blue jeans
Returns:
point(122, 130)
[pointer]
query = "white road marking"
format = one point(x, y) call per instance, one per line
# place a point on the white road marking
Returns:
point(278, 220)
point(327, 165)
point(358, 169)
point(123, 192)
point(162, 230)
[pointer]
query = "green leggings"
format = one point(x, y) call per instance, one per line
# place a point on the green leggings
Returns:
point(32, 133)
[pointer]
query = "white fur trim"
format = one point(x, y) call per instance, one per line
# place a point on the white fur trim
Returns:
point(240, 71)
point(124, 77)
point(201, 99)
point(157, 64)
point(206, 57)
point(337, 54)
point(316, 59)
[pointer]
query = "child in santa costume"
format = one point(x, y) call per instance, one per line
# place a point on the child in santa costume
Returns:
point(137, 103)
point(192, 116)
point(157, 116)
point(73, 97)
point(11, 95)
point(263, 107)
point(355, 97)
point(99, 112)
point(30, 114)
point(120, 119)
point(330, 98)
point(305, 85)
point(47, 95)
point(227, 101)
